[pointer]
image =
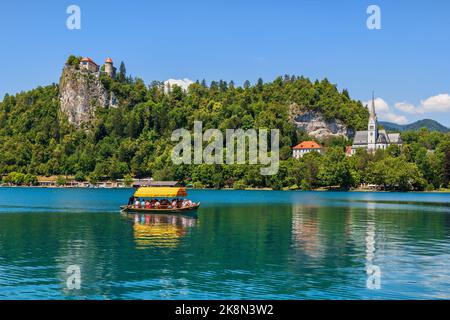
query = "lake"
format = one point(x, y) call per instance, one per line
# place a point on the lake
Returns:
point(241, 245)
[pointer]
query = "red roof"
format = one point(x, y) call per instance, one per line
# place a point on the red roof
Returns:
point(108, 60)
point(308, 145)
point(88, 60)
point(348, 150)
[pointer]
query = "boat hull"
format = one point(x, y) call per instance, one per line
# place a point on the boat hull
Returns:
point(130, 209)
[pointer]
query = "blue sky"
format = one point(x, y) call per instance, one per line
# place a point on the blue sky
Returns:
point(407, 62)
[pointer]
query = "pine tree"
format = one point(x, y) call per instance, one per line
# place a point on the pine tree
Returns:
point(122, 72)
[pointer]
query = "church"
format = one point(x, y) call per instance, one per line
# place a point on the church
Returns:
point(374, 139)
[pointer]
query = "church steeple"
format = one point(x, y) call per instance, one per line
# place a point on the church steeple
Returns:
point(372, 107)
point(372, 127)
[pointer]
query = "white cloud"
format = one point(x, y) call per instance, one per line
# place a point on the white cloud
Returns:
point(439, 103)
point(392, 117)
point(380, 105)
point(407, 108)
point(182, 83)
point(384, 112)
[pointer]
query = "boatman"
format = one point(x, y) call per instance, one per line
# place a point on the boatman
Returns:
point(131, 200)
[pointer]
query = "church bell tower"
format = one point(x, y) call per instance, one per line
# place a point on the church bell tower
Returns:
point(372, 128)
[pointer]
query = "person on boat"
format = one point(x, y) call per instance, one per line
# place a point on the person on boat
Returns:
point(131, 200)
point(137, 203)
point(147, 204)
point(174, 203)
point(189, 203)
point(157, 203)
point(142, 203)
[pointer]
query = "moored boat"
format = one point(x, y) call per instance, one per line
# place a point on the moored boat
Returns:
point(152, 204)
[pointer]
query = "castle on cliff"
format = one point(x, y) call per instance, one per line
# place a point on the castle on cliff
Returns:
point(89, 65)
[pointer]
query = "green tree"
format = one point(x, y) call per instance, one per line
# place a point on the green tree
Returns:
point(310, 167)
point(122, 72)
point(61, 180)
point(80, 176)
point(397, 174)
point(335, 169)
point(446, 164)
point(128, 180)
point(73, 61)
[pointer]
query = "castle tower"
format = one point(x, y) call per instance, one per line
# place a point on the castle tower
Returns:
point(109, 68)
point(372, 127)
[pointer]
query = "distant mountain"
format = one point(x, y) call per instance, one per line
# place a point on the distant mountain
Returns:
point(431, 125)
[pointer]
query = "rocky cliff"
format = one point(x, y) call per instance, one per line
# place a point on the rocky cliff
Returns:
point(316, 125)
point(81, 93)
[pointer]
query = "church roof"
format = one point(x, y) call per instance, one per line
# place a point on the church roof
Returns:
point(308, 145)
point(382, 137)
point(109, 60)
point(394, 137)
point(360, 137)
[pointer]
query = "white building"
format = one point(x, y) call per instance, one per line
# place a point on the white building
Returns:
point(374, 139)
point(88, 64)
point(305, 147)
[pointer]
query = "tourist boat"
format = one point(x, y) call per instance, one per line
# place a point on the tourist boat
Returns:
point(160, 192)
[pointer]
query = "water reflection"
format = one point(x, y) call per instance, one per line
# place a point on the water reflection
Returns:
point(160, 230)
point(373, 271)
point(305, 230)
point(305, 246)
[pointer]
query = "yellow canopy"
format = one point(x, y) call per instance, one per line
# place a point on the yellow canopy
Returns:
point(168, 192)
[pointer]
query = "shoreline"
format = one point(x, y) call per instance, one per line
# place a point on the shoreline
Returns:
point(231, 189)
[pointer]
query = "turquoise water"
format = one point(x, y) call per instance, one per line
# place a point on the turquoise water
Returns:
point(241, 245)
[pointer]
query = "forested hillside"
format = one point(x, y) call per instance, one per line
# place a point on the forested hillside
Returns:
point(134, 138)
point(431, 125)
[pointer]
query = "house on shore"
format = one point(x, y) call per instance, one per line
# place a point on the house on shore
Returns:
point(305, 147)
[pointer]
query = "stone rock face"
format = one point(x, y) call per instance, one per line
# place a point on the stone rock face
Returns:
point(317, 126)
point(81, 93)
